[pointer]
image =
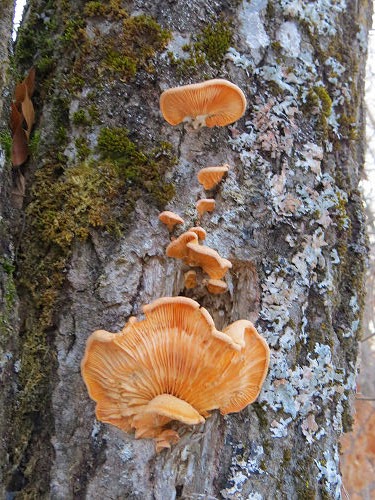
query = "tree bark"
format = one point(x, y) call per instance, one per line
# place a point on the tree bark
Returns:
point(289, 217)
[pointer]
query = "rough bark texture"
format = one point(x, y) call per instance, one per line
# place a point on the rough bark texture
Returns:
point(92, 251)
point(8, 309)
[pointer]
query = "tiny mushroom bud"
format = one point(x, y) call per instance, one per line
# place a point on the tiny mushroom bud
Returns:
point(170, 219)
point(177, 248)
point(209, 177)
point(200, 232)
point(208, 259)
point(205, 205)
point(173, 365)
point(213, 102)
point(216, 286)
point(190, 278)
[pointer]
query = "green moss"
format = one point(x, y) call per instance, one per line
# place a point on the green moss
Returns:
point(9, 289)
point(325, 100)
point(348, 126)
point(209, 47)
point(122, 52)
point(214, 42)
point(67, 206)
point(6, 143)
point(145, 170)
point(74, 30)
point(319, 102)
point(111, 9)
point(82, 148)
point(120, 63)
point(80, 118)
point(94, 113)
point(115, 143)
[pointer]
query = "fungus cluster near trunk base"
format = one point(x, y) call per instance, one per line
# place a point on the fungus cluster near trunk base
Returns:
point(172, 365)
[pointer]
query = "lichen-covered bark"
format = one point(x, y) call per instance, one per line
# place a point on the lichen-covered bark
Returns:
point(289, 217)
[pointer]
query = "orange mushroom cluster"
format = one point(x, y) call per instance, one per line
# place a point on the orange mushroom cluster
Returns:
point(174, 365)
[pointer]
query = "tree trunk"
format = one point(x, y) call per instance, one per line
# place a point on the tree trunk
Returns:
point(91, 251)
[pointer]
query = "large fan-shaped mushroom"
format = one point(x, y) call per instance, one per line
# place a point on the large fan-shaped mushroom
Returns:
point(210, 103)
point(172, 365)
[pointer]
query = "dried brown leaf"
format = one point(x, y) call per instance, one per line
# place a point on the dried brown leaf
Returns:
point(20, 92)
point(16, 117)
point(20, 150)
point(30, 82)
point(28, 113)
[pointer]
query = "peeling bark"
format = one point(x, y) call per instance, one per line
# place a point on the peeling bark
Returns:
point(289, 216)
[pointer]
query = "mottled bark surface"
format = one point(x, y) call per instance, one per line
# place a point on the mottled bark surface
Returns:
point(8, 310)
point(289, 216)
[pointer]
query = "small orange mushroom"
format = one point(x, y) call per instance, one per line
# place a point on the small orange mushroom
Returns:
point(172, 365)
point(209, 177)
point(205, 205)
point(177, 248)
point(216, 286)
point(190, 278)
point(208, 259)
point(214, 102)
point(170, 219)
point(200, 232)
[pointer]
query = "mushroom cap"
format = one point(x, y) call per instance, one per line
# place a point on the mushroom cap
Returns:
point(216, 286)
point(200, 232)
point(190, 278)
point(172, 365)
point(209, 177)
point(213, 102)
point(208, 259)
point(177, 248)
point(170, 219)
point(205, 205)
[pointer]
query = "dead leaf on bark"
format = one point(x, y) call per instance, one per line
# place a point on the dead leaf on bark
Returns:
point(28, 113)
point(22, 113)
point(20, 150)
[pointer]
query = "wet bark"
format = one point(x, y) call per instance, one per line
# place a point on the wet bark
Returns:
point(289, 217)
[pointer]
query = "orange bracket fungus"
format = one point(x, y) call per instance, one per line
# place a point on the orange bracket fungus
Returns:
point(178, 248)
point(214, 102)
point(205, 205)
point(170, 219)
point(216, 286)
point(209, 177)
point(172, 365)
point(200, 232)
point(208, 259)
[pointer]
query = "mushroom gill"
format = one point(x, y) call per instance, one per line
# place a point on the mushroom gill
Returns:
point(172, 365)
point(211, 103)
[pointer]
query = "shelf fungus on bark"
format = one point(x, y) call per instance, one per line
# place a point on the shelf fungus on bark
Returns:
point(208, 259)
point(213, 102)
point(172, 365)
point(178, 247)
point(216, 286)
point(205, 205)
point(200, 232)
point(210, 177)
point(170, 219)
